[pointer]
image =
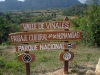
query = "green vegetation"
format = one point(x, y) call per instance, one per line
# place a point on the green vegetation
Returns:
point(36, 4)
point(6, 27)
point(10, 21)
point(89, 25)
point(75, 10)
point(87, 20)
point(48, 61)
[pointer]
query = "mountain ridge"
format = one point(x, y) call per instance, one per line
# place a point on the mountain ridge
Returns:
point(36, 4)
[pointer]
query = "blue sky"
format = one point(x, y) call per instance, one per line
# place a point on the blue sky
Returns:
point(18, 0)
point(82, 1)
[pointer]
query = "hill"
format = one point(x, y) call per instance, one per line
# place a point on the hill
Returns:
point(36, 4)
point(77, 10)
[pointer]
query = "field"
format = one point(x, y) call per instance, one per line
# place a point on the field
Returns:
point(47, 62)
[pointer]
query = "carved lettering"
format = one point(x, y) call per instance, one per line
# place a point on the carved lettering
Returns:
point(45, 25)
point(44, 36)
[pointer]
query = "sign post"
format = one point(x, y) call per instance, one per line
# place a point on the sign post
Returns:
point(27, 59)
point(66, 64)
point(27, 66)
point(66, 50)
point(60, 41)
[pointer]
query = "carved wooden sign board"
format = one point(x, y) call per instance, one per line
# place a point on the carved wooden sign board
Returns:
point(66, 56)
point(45, 25)
point(55, 36)
point(50, 46)
point(39, 35)
point(26, 58)
point(26, 37)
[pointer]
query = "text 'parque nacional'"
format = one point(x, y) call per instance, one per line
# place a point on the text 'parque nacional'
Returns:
point(25, 37)
point(50, 46)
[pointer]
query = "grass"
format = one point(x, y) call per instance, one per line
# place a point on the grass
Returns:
point(85, 58)
point(48, 61)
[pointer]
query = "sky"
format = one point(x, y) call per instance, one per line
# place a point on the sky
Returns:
point(82, 1)
point(18, 0)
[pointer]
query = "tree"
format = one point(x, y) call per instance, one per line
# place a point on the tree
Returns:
point(77, 10)
point(93, 21)
point(4, 30)
point(89, 24)
point(6, 27)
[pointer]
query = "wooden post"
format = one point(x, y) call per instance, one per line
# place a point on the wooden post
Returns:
point(66, 64)
point(65, 50)
point(27, 66)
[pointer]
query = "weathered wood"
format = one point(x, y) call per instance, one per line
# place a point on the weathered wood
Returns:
point(26, 58)
point(26, 37)
point(66, 50)
point(45, 25)
point(49, 46)
point(66, 56)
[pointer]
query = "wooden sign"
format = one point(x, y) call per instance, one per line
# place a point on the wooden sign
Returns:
point(45, 25)
point(26, 37)
point(50, 46)
point(26, 58)
point(66, 56)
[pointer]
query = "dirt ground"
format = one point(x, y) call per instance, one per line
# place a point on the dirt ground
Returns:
point(61, 72)
point(88, 69)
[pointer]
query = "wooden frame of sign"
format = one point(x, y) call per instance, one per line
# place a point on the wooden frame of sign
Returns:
point(26, 58)
point(66, 56)
point(26, 37)
point(46, 46)
point(45, 25)
point(29, 37)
